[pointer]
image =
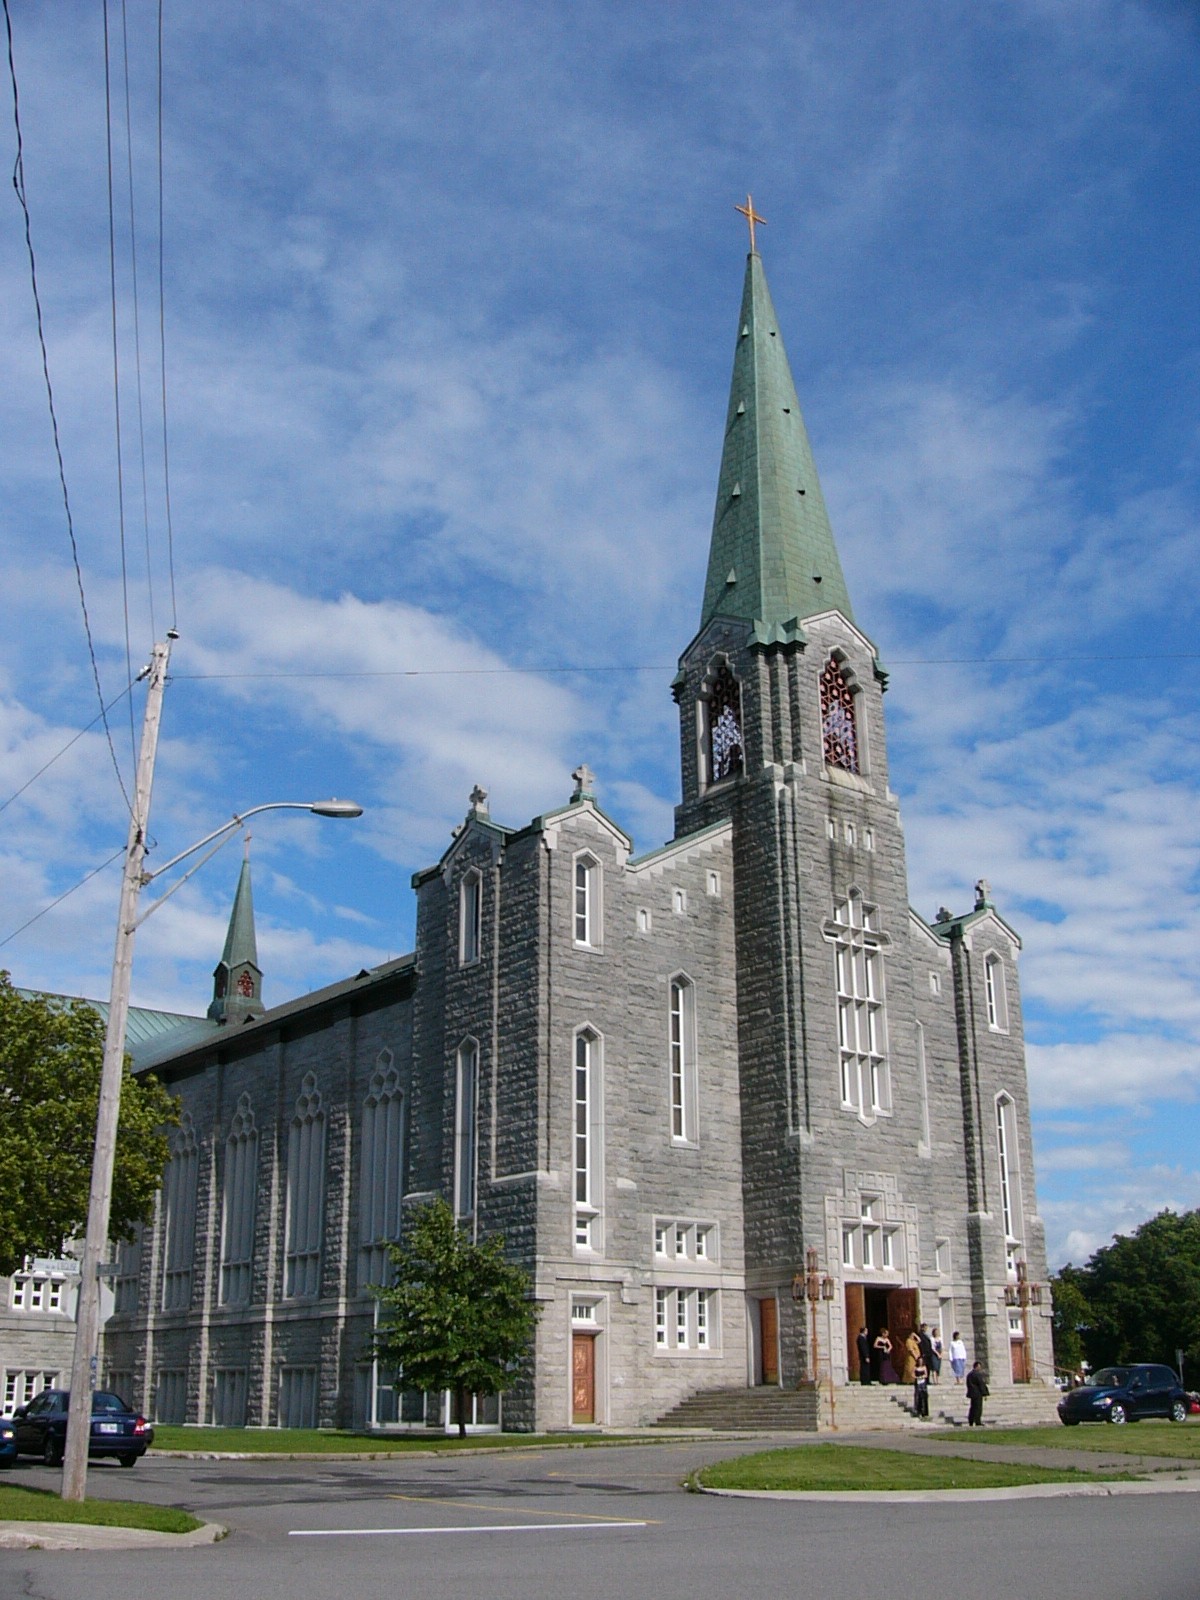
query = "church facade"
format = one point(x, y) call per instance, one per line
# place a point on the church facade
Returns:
point(675, 1082)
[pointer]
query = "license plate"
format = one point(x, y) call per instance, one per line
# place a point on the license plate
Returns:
point(108, 1427)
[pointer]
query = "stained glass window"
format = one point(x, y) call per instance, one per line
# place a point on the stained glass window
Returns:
point(838, 728)
point(725, 725)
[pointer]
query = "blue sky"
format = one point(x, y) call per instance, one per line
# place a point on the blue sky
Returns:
point(450, 307)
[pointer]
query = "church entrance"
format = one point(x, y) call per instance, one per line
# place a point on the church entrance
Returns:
point(768, 1341)
point(583, 1377)
point(894, 1309)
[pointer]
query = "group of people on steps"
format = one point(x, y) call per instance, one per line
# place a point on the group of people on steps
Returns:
point(917, 1359)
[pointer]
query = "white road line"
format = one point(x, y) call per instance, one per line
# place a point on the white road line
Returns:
point(501, 1527)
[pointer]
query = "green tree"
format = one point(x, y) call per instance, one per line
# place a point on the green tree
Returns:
point(50, 1059)
point(458, 1315)
point(1072, 1317)
point(1143, 1294)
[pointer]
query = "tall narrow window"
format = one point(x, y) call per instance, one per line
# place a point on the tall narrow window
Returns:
point(839, 730)
point(726, 757)
point(382, 1181)
point(179, 1217)
point(587, 1151)
point(586, 904)
point(683, 1060)
point(997, 999)
point(470, 917)
point(238, 1204)
point(1010, 1187)
point(128, 1260)
point(464, 1130)
point(305, 1192)
point(862, 1030)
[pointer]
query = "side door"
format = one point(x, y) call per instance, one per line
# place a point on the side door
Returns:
point(1140, 1399)
point(1161, 1386)
point(31, 1426)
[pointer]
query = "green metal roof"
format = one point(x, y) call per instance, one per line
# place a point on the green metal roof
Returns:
point(141, 1026)
point(240, 944)
point(772, 561)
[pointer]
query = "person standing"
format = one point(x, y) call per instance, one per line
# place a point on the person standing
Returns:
point(935, 1360)
point(863, 1343)
point(881, 1356)
point(921, 1389)
point(910, 1352)
point(977, 1393)
point(958, 1356)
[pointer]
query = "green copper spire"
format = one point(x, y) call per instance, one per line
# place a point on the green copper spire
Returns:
point(237, 980)
point(772, 561)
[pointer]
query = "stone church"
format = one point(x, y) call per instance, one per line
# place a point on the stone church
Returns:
point(676, 1082)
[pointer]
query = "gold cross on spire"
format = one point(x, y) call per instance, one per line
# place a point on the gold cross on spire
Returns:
point(751, 217)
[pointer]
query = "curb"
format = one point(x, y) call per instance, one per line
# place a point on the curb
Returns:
point(1022, 1491)
point(101, 1536)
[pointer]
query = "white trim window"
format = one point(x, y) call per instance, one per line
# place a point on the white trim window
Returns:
point(238, 1205)
point(587, 1140)
point(470, 917)
point(661, 1297)
point(586, 902)
point(686, 1320)
point(305, 1193)
point(862, 1021)
point(466, 1112)
point(995, 991)
point(1010, 1178)
point(684, 1090)
point(382, 1181)
point(179, 1217)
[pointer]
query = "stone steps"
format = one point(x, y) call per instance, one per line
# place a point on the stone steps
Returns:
point(746, 1410)
point(856, 1408)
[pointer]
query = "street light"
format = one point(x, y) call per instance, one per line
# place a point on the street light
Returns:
point(133, 880)
point(813, 1286)
point(1024, 1294)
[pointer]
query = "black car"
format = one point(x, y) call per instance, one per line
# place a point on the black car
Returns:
point(117, 1430)
point(1126, 1394)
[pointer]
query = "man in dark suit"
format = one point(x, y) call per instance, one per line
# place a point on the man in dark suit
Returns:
point(863, 1342)
point(977, 1391)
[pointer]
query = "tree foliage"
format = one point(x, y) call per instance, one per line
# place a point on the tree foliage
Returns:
point(50, 1060)
point(458, 1315)
point(1136, 1299)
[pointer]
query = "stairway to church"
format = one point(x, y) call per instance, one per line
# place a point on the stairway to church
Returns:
point(890, 1406)
point(746, 1411)
point(857, 1408)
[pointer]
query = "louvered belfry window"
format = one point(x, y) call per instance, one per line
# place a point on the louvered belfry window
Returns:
point(839, 730)
point(725, 725)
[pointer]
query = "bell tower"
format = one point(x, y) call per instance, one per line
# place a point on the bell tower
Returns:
point(237, 978)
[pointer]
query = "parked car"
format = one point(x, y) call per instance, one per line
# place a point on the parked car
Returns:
point(117, 1430)
point(1126, 1394)
point(8, 1442)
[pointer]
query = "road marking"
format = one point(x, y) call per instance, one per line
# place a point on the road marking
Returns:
point(493, 1527)
point(512, 1511)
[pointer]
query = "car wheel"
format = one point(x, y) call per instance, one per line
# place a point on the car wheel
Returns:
point(1118, 1414)
point(127, 1461)
point(52, 1451)
point(1179, 1412)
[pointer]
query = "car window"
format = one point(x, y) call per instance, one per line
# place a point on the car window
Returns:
point(37, 1406)
point(1162, 1378)
point(1111, 1378)
point(102, 1401)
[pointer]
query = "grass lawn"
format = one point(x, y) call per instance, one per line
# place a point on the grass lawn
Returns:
point(319, 1441)
point(40, 1505)
point(835, 1466)
point(1180, 1440)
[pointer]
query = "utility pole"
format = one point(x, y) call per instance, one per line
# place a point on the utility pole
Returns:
point(87, 1323)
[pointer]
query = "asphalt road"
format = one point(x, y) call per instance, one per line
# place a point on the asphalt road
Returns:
point(591, 1524)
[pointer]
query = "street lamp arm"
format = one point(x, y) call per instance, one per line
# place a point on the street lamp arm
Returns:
point(322, 808)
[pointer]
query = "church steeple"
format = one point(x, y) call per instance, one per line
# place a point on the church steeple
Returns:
point(772, 561)
point(237, 979)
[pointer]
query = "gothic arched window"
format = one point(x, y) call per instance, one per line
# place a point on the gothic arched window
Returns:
point(179, 1217)
point(839, 730)
point(726, 756)
point(241, 1190)
point(305, 1192)
point(382, 1179)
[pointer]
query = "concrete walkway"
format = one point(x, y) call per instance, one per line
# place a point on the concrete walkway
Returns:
point(97, 1536)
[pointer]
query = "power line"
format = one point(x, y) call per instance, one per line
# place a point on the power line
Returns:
point(116, 367)
point(19, 185)
point(38, 915)
point(539, 672)
point(16, 795)
point(162, 334)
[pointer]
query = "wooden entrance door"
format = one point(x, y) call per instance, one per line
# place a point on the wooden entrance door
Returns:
point(1020, 1361)
point(768, 1330)
point(856, 1316)
point(901, 1318)
point(583, 1377)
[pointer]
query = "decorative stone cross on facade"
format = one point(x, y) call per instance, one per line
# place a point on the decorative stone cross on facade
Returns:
point(983, 894)
point(751, 217)
point(585, 782)
point(479, 800)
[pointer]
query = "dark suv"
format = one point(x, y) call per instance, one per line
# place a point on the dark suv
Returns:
point(1126, 1394)
point(116, 1429)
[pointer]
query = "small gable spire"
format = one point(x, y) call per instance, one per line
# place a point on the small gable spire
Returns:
point(237, 978)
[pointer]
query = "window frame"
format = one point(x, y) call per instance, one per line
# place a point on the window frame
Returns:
point(470, 918)
point(683, 1079)
point(466, 1130)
